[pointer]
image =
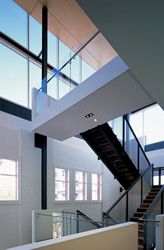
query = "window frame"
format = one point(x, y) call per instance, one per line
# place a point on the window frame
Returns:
point(18, 201)
point(100, 186)
point(85, 186)
point(68, 183)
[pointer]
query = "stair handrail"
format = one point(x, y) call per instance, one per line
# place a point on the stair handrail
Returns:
point(153, 204)
point(95, 223)
point(126, 192)
point(139, 144)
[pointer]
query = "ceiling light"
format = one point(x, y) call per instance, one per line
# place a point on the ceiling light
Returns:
point(89, 115)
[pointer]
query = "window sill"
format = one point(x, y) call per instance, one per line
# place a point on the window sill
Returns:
point(10, 202)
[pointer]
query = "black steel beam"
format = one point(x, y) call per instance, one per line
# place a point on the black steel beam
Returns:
point(15, 109)
point(44, 48)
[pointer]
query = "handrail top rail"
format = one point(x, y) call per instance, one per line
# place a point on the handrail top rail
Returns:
point(158, 168)
point(139, 144)
point(120, 198)
point(154, 202)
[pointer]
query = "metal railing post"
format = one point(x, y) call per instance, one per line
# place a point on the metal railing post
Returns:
point(127, 207)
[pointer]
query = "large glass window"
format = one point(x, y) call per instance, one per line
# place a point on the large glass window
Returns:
point(149, 123)
point(11, 16)
point(96, 187)
point(13, 72)
point(61, 184)
point(8, 180)
point(80, 186)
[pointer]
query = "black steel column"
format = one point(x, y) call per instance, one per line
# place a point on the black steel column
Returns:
point(162, 202)
point(41, 142)
point(44, 48)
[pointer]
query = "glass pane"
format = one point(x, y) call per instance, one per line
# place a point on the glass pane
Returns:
point(61, 191)
point(61, 174)
point(52, 50)
point(75, 69)
point(134, 199)
point(8, 167)
point(131, 145)
point(117, 128)
point(52, 87)
point(35, 36)
point(87, 70)
point(8, 188)
point(64, 56)
point(153, 128)
point(136, 121)
point(162, 177)
point(64, 88)
point(118, 213)
point(35, 77)
point(143, 163)
point(147, 183)
point(84, 225)
point(11, 16)
point(94, 179)
point(13, 71)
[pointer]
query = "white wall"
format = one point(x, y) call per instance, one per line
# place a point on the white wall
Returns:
point(18, 143)
point(15, 219)
point(75, 154)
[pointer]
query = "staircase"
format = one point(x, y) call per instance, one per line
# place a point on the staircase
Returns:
point(105, 144)
point(140, 213)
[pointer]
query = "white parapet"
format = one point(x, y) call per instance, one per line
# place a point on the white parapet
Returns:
point(119, 237)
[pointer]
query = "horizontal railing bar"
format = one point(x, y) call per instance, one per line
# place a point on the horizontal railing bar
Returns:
point(158, 168)
point(110, 209)
point(76, 219)
point(142, 219)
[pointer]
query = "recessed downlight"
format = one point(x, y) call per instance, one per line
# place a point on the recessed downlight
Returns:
point(89, 115)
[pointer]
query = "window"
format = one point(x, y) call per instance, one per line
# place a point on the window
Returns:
point(96, 187)
point(13, 21)
point(35, 36)
point(8, 180)
point(61, 184)
point(64, 88)
point(80, 185)
point(13, 72)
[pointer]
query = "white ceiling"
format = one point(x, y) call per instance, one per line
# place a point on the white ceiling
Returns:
point(135, 30)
